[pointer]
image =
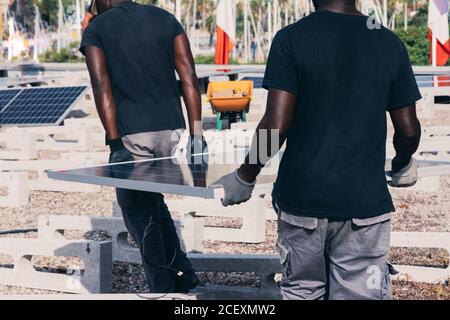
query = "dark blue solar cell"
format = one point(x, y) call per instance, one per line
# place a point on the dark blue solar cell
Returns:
point(257, 81)
point(40, 106)
point(6, 96)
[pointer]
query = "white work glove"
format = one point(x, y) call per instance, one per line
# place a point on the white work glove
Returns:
point(406, 176)
point(236, 189)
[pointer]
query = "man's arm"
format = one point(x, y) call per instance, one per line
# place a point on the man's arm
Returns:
point(406, 136)
point(101, 86)
point(276, 122)
point(185, 66)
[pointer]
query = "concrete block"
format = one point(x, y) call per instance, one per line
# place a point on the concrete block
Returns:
point(436, 131)
point(190, 229)
point(265, 267)
point(95, 157)
point(425, 106)
point(440, 240)
point(42, 183)
point(17, 188)
point(54, 226)
point(252, 213)
point(250, 126)
point(76, 137)
point(96, 256)
point(19, 146)
point(94, 123)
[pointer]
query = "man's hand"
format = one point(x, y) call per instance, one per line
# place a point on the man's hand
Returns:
point(236, 189)
point(118, 152)
point(404, 177)
point(196, 145)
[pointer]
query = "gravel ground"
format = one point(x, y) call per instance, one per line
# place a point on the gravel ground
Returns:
point(416, 211)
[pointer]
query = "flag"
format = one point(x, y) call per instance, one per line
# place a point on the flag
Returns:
point(438, 28)
point(225, 31)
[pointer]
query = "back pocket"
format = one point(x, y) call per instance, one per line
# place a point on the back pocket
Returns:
point(371, 240)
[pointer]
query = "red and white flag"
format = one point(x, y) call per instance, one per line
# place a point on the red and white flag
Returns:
point(225, 31)
point(438, 26)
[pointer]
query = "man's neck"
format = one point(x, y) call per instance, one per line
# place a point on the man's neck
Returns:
point(340, 7)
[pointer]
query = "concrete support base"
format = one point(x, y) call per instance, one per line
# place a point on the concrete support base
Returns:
point(96, 256)
point(252, 213)
point(53, 227)
point(440, 240)
point(17, 188)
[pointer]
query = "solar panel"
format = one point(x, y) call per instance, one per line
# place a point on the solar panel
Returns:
point(166, 175)
point(171, 175)
point(257, 81)
point(37, 106)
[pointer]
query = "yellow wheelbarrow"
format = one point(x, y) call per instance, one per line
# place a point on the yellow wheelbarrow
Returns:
point(230, 99)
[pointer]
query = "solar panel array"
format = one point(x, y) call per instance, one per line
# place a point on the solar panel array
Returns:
point(37, 106)
point(257, 81)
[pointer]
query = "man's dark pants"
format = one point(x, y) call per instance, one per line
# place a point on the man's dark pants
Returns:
point(148, 219)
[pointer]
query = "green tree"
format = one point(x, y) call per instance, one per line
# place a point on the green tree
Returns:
point(417, 43)
point(49, 10)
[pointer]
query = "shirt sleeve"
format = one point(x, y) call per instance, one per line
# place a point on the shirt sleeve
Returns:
point(403, 89)
point(90, 38)
point(176, 27)
point(281, 72)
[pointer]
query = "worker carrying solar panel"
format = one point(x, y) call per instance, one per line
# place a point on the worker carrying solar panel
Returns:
point(331, 78)
point(132, 52)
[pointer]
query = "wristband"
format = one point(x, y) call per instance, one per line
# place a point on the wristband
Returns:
point(116, 144)
point(242, 181)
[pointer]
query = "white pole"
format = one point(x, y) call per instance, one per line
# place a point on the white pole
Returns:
point(178, 9)
point(257, 39)
point(78, 18)
point(11, 38)
point(60, 26)
point(406, 16)
point(269, 22)
point(246, 52)
point(385, 18)
point(194, 32)
point(434, 51)
point(286, 15)
point(37, 25)
point(278, 16)
point(275, 16)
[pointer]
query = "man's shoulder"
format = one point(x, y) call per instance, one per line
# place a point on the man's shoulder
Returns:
point(391, 36)
point(300, 25)
point(156, 11)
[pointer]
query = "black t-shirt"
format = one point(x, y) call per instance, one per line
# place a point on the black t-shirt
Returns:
point(138, 44)
point(345, 77)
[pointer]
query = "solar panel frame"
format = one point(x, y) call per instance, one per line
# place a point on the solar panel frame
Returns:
point(107, 175)
point(57, 121)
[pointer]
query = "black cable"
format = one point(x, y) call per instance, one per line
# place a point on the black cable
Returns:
point(16, 231)
point(168, 267)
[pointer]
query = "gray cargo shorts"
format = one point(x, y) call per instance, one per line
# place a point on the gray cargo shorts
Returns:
point(334, 259)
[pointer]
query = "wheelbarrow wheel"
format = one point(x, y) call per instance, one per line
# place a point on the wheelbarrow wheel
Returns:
point(218, 122)
point(243, 116)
